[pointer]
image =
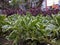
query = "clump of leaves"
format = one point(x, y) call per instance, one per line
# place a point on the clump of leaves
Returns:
point(2, 22)
point(27, 27)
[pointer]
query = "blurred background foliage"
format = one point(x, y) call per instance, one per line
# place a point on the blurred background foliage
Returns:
point(16, 3)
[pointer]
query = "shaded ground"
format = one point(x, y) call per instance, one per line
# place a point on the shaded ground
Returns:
point(5, 42)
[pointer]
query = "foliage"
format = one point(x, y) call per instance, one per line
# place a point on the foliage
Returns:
point(4, 4)
point(2, 22)
point(27, 27)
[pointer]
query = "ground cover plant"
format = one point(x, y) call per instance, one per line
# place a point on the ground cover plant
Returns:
point(30, 30)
